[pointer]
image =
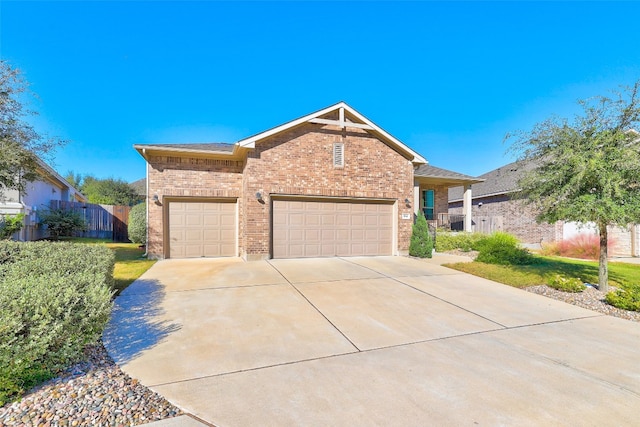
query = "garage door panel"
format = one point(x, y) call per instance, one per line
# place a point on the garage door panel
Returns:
point(202, 229)
point(328, 228)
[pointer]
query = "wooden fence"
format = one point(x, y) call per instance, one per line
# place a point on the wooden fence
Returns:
point(103, 221)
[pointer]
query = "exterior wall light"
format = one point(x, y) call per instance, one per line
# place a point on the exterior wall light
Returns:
point(156, 200)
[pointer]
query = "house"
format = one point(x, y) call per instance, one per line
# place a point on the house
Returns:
point(494, 208)
point(38, 195)
point(331, 183)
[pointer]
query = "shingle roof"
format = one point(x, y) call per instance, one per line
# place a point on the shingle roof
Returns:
point(429, 171)
point(498, 181)
point(140, 186)
point(210, 146)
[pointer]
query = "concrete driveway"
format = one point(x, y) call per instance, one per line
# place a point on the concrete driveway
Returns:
point(369, 341)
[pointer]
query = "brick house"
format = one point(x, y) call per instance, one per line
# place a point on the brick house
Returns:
point(495, 209)
point(331, 183)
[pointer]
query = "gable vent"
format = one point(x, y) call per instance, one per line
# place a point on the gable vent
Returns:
point(338, 154)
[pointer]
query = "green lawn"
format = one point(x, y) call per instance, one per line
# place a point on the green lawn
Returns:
point(521, 276)
point(130, 263)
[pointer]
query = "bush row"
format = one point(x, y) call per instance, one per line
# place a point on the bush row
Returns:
point(464, 241)
point(55, 298)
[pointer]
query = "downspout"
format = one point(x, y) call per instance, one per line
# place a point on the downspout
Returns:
point(146, 241)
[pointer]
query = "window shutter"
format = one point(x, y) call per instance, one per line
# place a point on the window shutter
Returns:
point(338, 155)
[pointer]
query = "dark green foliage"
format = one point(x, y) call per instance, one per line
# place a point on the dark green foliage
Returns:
point(9, 225)
point(137, 227)
point(627, 297)
point(587, 169)
point(109, 191)
point(448, 241)
point(502, 248)
point(566, 284)
point(55, 298)
point(421, 242)
point(61, 222)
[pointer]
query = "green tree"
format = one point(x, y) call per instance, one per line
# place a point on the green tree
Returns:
point(107, 191)
point(588, 169)
point(421, 245)
point(20, 144)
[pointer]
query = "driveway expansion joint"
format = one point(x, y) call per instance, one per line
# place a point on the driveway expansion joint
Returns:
point(313, 305)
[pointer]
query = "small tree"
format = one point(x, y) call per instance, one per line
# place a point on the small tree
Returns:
point(20, 144)
point(9, 225)
point(589, 169)
point(137, 227)
point(62, 223)
point(421, 242)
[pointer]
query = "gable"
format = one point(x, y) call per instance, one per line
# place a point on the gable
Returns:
point(338, 116)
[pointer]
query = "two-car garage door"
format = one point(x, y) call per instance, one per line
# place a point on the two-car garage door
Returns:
point(202, 229)
point(300, 228)
point(324, 228)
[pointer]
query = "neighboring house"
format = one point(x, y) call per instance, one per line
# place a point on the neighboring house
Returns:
point(495, 209)
point(331, 183)
point(140, 186)
point(37, 196)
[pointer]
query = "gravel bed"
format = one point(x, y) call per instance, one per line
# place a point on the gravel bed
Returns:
point(591, 298)
point(92, 393)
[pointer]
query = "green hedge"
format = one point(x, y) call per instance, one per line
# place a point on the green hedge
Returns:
point(449, 241)
point(55, 298)
point(137, 226)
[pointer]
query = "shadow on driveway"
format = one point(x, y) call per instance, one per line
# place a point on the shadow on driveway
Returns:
point(134, 327)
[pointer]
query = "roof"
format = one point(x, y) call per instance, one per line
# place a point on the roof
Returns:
point(502, 180)
point(209, 146)
point(55, 177)
point(428, 171)
point(140, 186)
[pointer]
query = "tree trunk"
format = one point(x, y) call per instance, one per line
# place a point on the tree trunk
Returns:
point(603, 269)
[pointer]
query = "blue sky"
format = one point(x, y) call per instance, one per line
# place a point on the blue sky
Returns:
point(448, 79)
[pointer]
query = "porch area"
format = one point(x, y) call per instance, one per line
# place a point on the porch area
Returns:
point(431, 197)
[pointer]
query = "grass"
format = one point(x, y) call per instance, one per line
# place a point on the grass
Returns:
point(130, 261)
point(521, 276)
point(130, 264)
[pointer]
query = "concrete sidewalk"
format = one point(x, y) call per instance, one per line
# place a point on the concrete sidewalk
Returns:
point(369, 341)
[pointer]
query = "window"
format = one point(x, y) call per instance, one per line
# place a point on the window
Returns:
point(338, 154)
point(428, 200)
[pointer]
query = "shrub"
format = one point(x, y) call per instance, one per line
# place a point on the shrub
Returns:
point(61, 222)
point(421, 245)
point(502, 248)
point(9, 225)
point(448, 241)
point(55, 298)
point(627, 297)
point(565, 284)
point(137, 227)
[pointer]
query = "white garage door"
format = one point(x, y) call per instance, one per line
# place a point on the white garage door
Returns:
point(331, 228)
point(202, 229)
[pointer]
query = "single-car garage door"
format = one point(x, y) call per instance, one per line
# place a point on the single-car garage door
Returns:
point(202, 229)
point(326, 228)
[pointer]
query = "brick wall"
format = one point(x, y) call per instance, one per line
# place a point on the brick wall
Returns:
point(300, 162)
point(510, 216)
point(188, 177)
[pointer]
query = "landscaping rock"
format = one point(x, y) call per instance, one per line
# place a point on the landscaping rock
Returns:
point(94, 392)
point(591, 298)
